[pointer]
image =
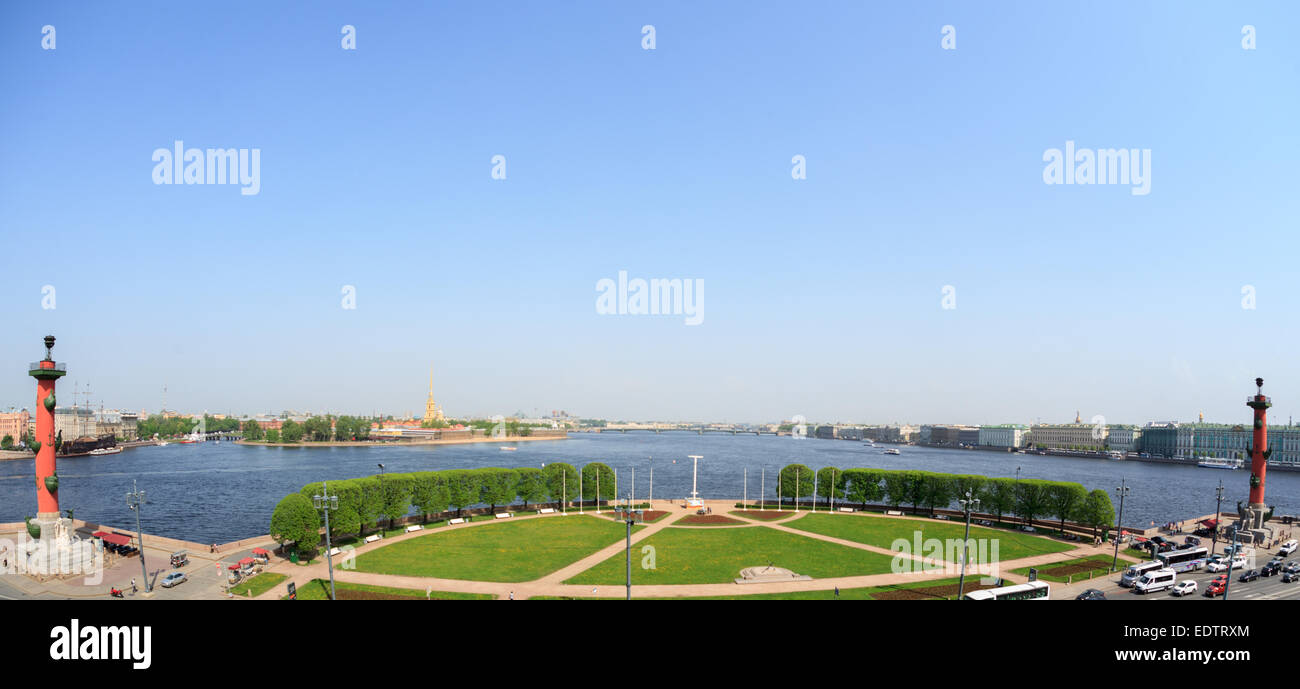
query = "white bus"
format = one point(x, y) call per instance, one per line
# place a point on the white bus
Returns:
point(1135, 572)
point(1185, 559)
point(1034, 590)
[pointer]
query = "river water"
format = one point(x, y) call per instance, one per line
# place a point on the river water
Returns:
point(219, 492)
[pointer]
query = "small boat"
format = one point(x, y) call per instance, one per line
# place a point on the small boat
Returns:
point(509, 449)
point(1220, 463)
point(162, 443)
point(105, 451)
point(892, 451)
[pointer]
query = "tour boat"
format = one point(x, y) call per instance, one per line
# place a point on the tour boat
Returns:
point(106, 451)
point(509, 449)
point(892, 451)
point(1220, 463)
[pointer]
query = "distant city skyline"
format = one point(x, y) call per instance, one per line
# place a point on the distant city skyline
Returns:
point(877, 226)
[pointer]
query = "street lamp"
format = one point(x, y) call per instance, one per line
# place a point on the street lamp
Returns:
point(1218, 505)
point(327, 503)
point(1231, 558)
point(1122, 491)
point(629, 516)
point(134, 499)
point(966, 505)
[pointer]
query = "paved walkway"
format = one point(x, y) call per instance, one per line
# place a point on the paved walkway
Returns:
point(552, 584)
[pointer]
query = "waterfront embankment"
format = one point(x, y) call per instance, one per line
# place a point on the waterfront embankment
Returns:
point(407, 443)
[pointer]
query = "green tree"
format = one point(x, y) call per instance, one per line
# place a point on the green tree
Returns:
point(463, 487)
point(1065, 500)
point(831, 484)
point(795, 482)
point(396, 492)
point(532, 485)
point(291, 431)
point(295, 521)
point(7, 443)
point(914, 488)
point(998, 496)
point(1098, 511)
point(937, 490)
point(272, 435)
point(429, 493)
point(1031, 499)
point(344, 521)
point(317, 429)
point(597, 482)
point(498, 487)
point(864, 485)
point(561, 482)
point(253, 430)
point(896, 487)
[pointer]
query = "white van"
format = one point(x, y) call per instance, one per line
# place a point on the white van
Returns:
point(1287, 548)
point(1158, 580)
point(1135, 572)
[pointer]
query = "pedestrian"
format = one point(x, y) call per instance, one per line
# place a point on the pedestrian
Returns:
point(837, 592)
point(133, 588)
point(512, 595)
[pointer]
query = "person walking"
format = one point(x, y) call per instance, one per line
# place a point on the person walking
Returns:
point(134, 590)
point(512, 595)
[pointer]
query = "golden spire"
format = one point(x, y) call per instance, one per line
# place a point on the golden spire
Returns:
point(431, 410)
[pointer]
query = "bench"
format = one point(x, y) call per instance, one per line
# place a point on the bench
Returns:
point(893, 513)
point(416, 527)
point(373, 537)
point(546, 510)
point(503, 515)
point(457, 520)
point(334, 551)
point(847, 509)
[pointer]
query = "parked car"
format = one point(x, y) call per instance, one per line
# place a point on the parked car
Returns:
point(942, 516)
point(1091, 594)
point(174, 578)
point(1184, 587)
point(1249, 575)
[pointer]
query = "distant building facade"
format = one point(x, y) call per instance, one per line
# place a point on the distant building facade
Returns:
point(14, 424)
point(1002, 435)
point(1068, 436)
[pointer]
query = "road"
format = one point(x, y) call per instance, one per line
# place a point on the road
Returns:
point(1263, 588)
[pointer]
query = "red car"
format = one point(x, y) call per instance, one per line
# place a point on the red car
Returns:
point(1216, 586)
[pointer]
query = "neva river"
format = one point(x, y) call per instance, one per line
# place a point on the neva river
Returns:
point(213, 492)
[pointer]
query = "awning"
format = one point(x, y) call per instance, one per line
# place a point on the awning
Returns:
point(114, 538)
point(233, 567)
point(1211, 523)
point(247, 561)
point(260, 551)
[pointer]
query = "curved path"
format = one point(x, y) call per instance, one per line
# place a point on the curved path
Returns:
point(553, 584)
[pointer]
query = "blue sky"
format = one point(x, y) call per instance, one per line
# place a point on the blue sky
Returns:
point(823, 295)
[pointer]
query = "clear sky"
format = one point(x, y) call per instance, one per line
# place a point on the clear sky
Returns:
point(823, 296)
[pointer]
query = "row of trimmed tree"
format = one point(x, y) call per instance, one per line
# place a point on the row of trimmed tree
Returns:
point(1028, 499)
point(364, 502)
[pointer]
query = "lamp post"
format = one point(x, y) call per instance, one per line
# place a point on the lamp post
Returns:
point(134, 499)
point(1228, 582)
point(1218, 505)
point(651, 500)
point(1122, 491)
point(327, 503)
point(630, 517)
point(967, 504)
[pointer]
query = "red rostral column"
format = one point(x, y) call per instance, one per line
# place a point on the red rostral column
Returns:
point(46, 372)
point(1259, 451)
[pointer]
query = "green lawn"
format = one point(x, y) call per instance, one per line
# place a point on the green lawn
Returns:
point(319, 589)
point(502, 551)
point(882, 532)
point(1080, 568)
point(861, 593)
point(716, 556)
point(259, 584)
